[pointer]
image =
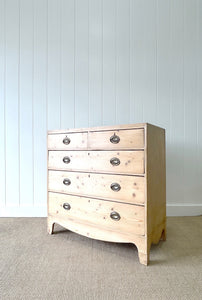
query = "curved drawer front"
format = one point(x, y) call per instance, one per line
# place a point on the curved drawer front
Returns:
point(118, 139)
point(99, 213)
point(122, 162)
point(67, 141)
point(128, 189)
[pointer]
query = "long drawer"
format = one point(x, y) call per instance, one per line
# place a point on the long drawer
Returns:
point(121, 188)
point(107, 215)
point(122, 162)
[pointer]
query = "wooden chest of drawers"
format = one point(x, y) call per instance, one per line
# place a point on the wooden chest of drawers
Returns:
point(109, 183)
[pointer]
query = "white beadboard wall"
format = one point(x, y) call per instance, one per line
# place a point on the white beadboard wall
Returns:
point(66, 64)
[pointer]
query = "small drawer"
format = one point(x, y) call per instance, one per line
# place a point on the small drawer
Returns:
point(120, 188)
point(107, 215)
point(121, 162)
point(67, 141)
point(118, 139)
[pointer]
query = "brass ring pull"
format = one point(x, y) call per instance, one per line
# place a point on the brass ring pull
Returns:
point(67, 181)
point(115, 216)
point(114, 139)
point(66, 160)
point(66, 206)
point(66, 141)
point(115, 187)
point(115, 161)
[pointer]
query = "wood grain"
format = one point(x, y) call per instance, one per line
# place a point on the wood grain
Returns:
point(131, 162)
point(85, 229)
point(156, 180)
point(77, 141)
point(129, 139)
point(99, 185)
point(93, 211)
point(99, 128)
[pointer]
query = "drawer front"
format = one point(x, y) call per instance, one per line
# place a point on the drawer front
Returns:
point(67, 141)
point(128, 189)
point(122, 162)
point(120, 139)
point(99, 213)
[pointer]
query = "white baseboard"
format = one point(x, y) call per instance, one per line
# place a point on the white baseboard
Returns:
point(177, 209)
point(23, 211)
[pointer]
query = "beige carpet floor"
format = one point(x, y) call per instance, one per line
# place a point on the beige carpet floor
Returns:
point(35, 265)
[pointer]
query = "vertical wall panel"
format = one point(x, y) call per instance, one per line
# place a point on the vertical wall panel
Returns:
point(198, 191)
point(40, 101)
point(67, 63)
point(123, 61)
point(95, 62)
point(2, 102)
point(137, 49)
point(82, 63)
point(149, 79)
point(163, 63)
point(12, 102)
point(25, 101)
point(176, 122)
point(54, 64)
point(109, 62)
point(190, 100)
point(163, 82)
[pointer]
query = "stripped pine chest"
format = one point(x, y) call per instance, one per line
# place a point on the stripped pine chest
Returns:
point(109, 183)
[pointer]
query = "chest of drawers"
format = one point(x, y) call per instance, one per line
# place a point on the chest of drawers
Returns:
point(109, 183)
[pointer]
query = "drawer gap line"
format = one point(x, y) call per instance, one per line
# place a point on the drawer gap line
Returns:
point(96, 198)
